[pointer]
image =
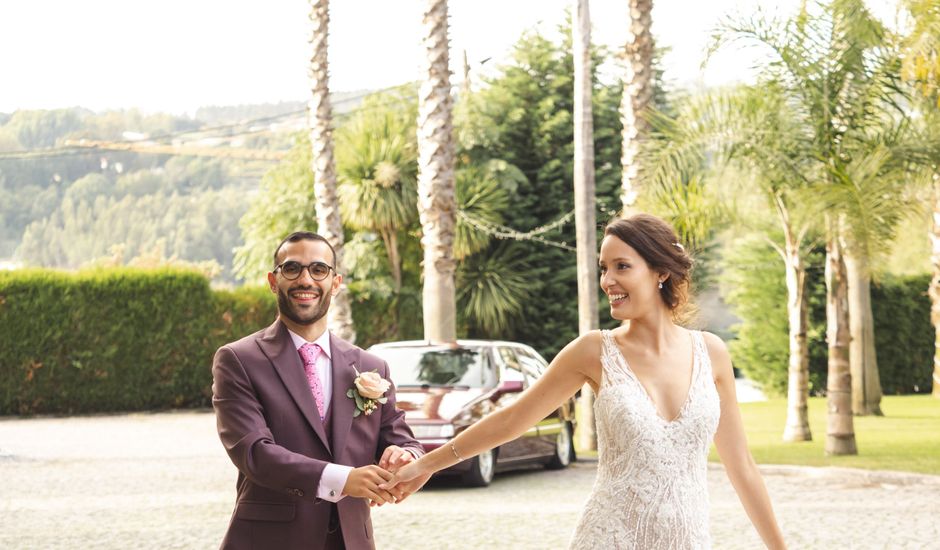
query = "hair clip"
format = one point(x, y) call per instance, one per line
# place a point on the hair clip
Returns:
point(679, 246)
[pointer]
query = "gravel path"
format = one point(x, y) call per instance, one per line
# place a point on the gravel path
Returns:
point(162, 481)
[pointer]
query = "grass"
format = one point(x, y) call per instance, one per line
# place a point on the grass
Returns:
point(906, 438)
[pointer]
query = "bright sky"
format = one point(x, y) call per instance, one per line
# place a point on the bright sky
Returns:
point(177, 55)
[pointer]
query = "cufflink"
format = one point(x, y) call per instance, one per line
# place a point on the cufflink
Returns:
point(332, 493)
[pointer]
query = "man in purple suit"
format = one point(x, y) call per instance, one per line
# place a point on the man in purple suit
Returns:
point(308, 419)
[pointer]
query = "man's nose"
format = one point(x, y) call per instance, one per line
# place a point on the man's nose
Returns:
point(305, 276)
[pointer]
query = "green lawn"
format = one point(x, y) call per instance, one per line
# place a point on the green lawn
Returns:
point(907, 438)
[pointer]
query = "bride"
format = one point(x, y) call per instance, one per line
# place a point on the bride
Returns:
point(663, 394)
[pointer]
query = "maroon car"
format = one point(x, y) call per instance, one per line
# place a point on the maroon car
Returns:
point(443, 389)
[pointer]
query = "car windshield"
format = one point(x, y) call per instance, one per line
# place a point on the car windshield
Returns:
point(441, 366)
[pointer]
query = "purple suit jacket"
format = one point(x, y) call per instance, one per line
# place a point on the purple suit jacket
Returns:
point(268, 423)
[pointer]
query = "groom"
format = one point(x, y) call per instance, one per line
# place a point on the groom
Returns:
point(308, 465)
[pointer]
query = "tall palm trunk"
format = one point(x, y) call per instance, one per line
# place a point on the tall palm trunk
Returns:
point(866, 387)
point(637, 96)
point(935, 283)
point(840, 429)
point(436, 193)
point(323, 163)
point(797, 425)
point(584, 203)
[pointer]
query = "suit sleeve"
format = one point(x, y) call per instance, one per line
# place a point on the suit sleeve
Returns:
point(248, 439)
point(394, 430)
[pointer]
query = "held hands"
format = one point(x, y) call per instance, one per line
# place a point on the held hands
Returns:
point(364, 482)
point(407, 479)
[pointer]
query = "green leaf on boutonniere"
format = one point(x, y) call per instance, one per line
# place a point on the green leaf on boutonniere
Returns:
point(359, 402)
point(356, 413)
point(349, 393)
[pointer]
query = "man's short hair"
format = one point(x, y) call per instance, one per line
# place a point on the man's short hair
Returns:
point(304, 236)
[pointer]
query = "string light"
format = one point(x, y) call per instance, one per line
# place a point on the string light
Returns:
point(504, 232)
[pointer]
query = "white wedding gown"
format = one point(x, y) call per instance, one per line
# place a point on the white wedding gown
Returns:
point(650, 492)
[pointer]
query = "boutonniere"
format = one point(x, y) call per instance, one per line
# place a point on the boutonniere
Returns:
point(368, 390)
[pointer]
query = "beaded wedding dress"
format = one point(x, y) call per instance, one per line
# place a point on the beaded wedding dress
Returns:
point(650, 492)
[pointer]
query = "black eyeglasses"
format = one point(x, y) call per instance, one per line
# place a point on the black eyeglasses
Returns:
point(292, 270)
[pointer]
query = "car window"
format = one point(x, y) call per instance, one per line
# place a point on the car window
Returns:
point(439, 366)
point(513, 370)
point(531, 364)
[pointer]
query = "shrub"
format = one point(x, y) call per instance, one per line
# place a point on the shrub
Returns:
point(115, 340)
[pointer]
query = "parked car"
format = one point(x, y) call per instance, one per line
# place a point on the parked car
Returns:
point(444, 389)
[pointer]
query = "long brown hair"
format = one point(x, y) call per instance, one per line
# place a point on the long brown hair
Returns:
point(656, 241)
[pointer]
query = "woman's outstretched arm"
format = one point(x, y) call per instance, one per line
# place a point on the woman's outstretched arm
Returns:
point(572, 367)
point(731, 444)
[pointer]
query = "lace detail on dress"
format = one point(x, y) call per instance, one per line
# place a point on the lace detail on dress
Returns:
point(650, 491)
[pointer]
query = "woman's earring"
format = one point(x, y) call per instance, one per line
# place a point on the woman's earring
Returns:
point(660, 285)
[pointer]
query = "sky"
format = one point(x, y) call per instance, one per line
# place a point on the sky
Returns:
point(177, 55)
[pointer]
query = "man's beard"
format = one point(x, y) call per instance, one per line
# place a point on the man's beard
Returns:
point(287, 309)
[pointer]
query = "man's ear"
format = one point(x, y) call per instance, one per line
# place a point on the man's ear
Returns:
point(272, 282)
point(337, 283)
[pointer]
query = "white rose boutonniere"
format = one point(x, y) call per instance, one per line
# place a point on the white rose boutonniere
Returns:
point(368, 391)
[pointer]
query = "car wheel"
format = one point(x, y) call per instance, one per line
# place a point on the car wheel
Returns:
point(482, 468)
point(564, 449)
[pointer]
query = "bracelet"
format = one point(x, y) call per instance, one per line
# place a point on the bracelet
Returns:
point(453, 448)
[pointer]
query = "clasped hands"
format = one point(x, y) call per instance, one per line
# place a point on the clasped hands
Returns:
point(372, 482)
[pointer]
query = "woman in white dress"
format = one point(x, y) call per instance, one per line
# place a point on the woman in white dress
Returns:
point(663, 394)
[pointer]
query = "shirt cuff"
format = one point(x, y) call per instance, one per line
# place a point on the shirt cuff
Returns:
point(414, 452)
point(332, 481)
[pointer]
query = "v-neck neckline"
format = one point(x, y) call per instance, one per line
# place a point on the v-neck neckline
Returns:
point(649, 398)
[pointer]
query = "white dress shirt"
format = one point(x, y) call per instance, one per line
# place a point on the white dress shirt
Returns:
point(334, 476)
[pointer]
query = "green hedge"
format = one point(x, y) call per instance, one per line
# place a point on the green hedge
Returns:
point(116, 339)
point(752, 284)
point(904, 335)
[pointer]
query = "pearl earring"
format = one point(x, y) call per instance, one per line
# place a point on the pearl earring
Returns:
point(660, 285)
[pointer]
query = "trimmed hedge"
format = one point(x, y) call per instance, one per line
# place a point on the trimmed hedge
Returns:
point(116, 339)
point(904, 335)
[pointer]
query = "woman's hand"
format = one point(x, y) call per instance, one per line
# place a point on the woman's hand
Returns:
point(408, 479)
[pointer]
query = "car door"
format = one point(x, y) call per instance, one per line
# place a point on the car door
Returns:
point(549, 427)
point(528, 445)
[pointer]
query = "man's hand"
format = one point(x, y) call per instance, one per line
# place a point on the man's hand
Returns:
point(394, 458)
point(364, 483)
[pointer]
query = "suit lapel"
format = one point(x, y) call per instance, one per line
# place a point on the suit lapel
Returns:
point(277, 345)
point(344, 361)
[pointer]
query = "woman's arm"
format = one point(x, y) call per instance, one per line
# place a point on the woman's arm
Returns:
point(732, 448)
point(566, 374)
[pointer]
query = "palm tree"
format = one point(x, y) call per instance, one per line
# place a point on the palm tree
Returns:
point(436, 200)
point(753, 128)
point(376, 159)
point(584, 201)
point(324, 167)
point(921, 67)
point(637, 97)
point(834, 66)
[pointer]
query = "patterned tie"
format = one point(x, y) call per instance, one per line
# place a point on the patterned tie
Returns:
point(309, 354)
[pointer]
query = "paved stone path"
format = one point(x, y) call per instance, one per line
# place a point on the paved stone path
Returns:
point(162, 481)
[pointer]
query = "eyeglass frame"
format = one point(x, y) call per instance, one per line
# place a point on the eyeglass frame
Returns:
point(305, 268)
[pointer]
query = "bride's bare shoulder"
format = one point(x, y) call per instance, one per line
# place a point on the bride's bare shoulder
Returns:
point(582, 352)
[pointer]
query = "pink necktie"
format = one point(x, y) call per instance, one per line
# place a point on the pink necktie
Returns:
point(309, 354)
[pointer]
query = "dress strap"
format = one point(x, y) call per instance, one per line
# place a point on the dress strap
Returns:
point(613, 365)
point(701, 354)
